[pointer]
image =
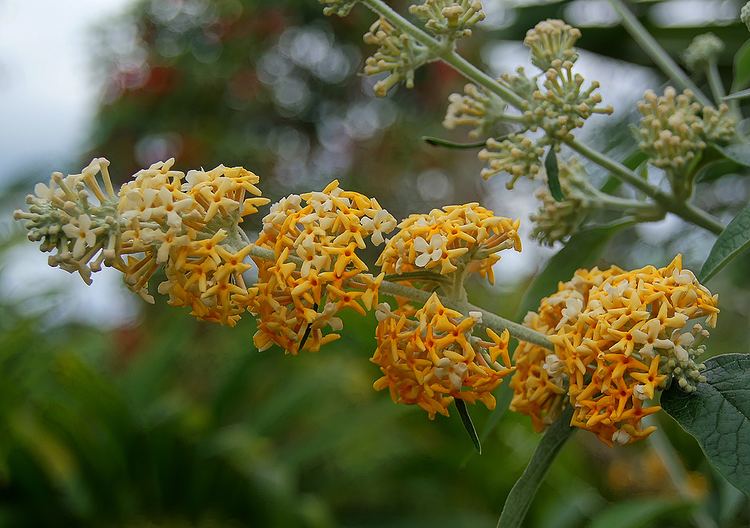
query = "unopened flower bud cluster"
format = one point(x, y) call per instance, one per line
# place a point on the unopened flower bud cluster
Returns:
point(398, 56)
point(452, 19)
point(475, 108)
point(703, 50)
point(675, 128)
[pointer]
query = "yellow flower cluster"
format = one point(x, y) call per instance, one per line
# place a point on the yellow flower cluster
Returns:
point(463, 238)
point(190, 226)
point(429, 357)
point(618, 336)
point(187, 225)
point(316, 272)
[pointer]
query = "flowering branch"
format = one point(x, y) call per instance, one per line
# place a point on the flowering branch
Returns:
point(448, 54)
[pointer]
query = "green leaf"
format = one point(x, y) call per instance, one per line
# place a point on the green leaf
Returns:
point(742, 67)
point(742, 94)
point(553, 175)
point(463, 412)
point(440, 142)
point(632, 161)
point(739, 153)
point(638, 513)
point(522, 494)
point(731, 242)
point(716, 169)
point(582, 250)
point(717, 414)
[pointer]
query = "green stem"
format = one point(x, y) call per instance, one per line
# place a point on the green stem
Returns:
point(676, 471)
point(489, 319)
point(472, 73)
point(714, 82)
point(667, 201)
point(654, 50)
point(519, 499)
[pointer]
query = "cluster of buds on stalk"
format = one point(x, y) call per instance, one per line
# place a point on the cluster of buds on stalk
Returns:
point(619, 338)
point(556, 220)
point(555, 101)
point(337, 7)
point(451, 19)
point(76, 219)
point(675, 129)
point(476, 108)
point(398, 56)
point(702, 51)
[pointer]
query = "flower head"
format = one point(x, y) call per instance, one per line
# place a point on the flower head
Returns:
point(429, 357)
point(459, 237)
point(475, 108)
point(317, 271)
point(621, 344)
point(703, 50)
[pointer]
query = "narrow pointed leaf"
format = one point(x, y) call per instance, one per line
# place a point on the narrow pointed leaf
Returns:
point(739, 153)
point(637, 513)
point(731, 242)
point(463, 412)
point(717, 414)
point(742, 67)
point(440, 142)
point(743, 94)
point(553, 175)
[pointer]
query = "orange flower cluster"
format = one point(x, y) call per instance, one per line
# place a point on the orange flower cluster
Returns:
point(618, 336)
point(429, 357)
point(190, 226)
point(317, 272)
point(464, 238)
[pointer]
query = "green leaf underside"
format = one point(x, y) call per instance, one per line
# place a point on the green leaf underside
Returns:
point(718, 415)
point(463, 412)
point(638, 513)
point(716, 169)
point(553, 175)
point(582, 250)
point(739, 153)
point(731, 242)
point(742, 67)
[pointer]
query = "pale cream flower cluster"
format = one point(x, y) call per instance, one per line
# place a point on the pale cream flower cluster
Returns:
point(452, 19)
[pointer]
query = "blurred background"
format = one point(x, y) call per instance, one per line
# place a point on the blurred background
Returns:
point(116, 413)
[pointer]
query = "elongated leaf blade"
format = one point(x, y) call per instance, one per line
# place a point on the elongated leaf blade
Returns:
point(731, 242)
point(742, 94)
point(440, 142)
point(463, 412)
point(717, 414)
point(739, 153)
point(553, 175)
point(742, 67)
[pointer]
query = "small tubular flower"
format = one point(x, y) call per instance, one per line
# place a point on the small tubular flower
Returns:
point(458, 237)
point(317, 272)
point(429, 357)
point(449, 18)
point(622, 342)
